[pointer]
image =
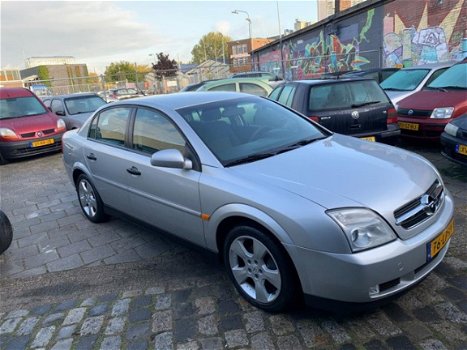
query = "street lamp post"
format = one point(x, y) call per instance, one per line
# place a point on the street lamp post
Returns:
point(247, 18)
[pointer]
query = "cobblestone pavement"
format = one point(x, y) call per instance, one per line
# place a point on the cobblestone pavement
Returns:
point(119, 285)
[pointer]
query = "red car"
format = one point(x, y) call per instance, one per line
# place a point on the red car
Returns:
point(27, 127)
point(425, 114)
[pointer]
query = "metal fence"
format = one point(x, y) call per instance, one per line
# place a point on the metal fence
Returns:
point(291, 69)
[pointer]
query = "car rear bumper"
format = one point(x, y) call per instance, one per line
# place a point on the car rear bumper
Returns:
point(451, 148)
point(374, 274)
point(21, 149)
point(389, 134)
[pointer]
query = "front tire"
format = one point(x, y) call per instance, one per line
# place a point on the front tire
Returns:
point(259, 269)
point(89, 200)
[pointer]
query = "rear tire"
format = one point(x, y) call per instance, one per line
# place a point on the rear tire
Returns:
point(89, 200)
point(6, 232)
point(259, 269)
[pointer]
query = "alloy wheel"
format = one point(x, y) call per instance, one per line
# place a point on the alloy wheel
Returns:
point(255, 269)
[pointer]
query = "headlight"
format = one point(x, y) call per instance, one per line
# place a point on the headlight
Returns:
point(61, 124)
point(363, 228)
point(451, 129)
point(442, 113)
point(7, 133)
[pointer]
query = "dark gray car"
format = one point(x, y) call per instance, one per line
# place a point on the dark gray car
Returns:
point(355, 107)
point(74, 108)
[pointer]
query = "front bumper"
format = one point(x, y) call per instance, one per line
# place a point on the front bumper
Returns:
point(427, 128)
point(21, 149)
point(450, 149)
point(391, 268)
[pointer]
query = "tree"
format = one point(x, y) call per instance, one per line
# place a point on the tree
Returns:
point(43, 74)
point(212, 46)
point(118, 71)
point(164, 66)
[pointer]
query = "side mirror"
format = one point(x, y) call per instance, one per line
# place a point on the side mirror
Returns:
point(61, 113)
point(171, 158)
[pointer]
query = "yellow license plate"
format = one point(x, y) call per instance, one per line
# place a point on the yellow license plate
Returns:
point(42, 143)
point(408, 126)
point(462, 149)
point(369, 138)
point(439, 242)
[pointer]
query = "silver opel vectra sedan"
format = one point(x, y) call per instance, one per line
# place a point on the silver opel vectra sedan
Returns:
point(290, 207)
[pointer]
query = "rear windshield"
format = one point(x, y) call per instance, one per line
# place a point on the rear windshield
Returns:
point(405, 79)
point(454, 77)
point(346, 95)
point(20, 107)
point(84, 104)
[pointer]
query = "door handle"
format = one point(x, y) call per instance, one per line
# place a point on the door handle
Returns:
point(91, 156)
point(134, 171)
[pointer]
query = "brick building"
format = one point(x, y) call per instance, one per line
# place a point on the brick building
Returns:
point(239, 53)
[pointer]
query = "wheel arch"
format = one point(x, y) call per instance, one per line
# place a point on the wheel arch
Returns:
point(233, 215)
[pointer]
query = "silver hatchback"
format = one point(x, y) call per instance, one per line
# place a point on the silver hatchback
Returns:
point(291, 208)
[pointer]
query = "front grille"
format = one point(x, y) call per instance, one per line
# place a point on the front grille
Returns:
point(32, 134)
point(48, 131)
point(415, 112)
point(421, 208)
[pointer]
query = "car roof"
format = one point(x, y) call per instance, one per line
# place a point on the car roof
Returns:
point(327, 81)
point(181, 100)
point(237, 80)
point(79, 94)
point(15, 92)
point(432, 65)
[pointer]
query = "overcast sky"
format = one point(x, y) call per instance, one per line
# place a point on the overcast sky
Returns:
point(100, 32)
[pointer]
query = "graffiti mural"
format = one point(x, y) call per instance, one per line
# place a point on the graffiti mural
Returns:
point(431, 33)
point(343, 49)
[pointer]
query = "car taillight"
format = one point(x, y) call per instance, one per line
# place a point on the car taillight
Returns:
point(391, 116)
point(314, 118)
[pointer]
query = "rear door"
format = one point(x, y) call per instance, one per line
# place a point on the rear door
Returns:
point(350, 107)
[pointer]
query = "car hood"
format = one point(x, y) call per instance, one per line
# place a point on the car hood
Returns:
point(81, 116)
point(342, 171)
point(23, 125)
point(396, 96)
point(431, 99)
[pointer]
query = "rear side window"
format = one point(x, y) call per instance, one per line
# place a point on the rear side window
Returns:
point(225, 87)
point(275, 93)
point(110, 126)
point(287, 95)
point(253, 89)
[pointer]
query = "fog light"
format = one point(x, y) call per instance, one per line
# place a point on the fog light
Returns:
point(374, 290)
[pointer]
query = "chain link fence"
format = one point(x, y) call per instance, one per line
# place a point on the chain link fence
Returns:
point(163, 82)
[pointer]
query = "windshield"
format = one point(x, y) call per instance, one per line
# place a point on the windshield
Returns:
point(345, 95)
point(247, 129)
point(454, 77)
point(20, 107)
point(405, 79)
point(85, 104)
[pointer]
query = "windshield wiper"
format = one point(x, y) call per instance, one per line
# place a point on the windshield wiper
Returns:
point(259, 156)
point(364, 104)
point(393, 89)
point(437, 88)
point(251, 158)
point(454, 87)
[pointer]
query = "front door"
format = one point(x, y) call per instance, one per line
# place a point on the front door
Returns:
point(163, 197)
